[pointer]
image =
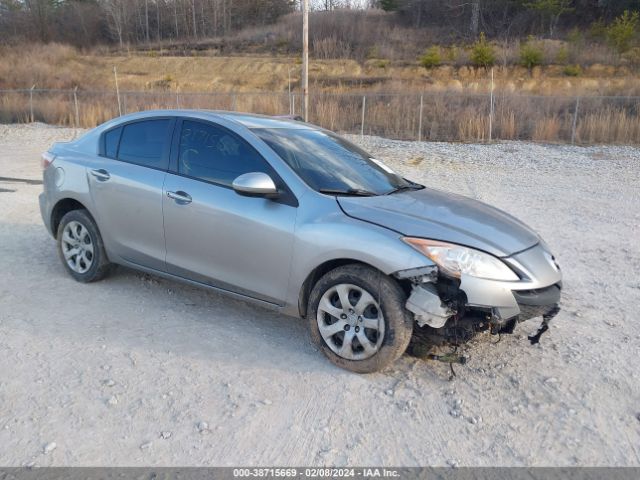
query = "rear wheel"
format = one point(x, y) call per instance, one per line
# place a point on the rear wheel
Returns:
point(357, 318)
point(80, 247)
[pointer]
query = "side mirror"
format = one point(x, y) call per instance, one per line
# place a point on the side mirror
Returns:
point(255, 184)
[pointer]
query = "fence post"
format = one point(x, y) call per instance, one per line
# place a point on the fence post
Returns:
point(115, 74)
point(31, 103)
point(364, 106)
point(491, 109)
point(575, 121)
point(290, 102)
point(420, 121)
point(177, 97)
point(75, 103)
point(234, 101)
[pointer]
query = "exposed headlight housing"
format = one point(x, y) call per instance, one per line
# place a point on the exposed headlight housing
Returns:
point(454, 260)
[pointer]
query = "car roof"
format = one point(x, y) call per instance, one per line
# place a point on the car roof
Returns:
point(249, 120)
point(252, 120)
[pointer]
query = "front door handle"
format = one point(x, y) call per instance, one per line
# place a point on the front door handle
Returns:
point(180, 197)
point(101, 174)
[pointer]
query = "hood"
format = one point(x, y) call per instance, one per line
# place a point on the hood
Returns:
point(443, 216)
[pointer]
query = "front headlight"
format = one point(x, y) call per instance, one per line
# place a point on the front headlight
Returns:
point(455, 260)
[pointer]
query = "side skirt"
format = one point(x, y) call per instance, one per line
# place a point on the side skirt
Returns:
point(187, 281)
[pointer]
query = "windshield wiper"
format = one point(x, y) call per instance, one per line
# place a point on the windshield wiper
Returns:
point(356, 192)
point(403, 188)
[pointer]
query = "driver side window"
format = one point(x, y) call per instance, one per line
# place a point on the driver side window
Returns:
point(214, 154)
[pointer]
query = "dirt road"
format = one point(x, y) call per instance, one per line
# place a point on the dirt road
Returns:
point(136, 370)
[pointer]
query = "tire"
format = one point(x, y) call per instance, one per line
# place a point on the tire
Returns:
point(378, 321)
point(80, 247)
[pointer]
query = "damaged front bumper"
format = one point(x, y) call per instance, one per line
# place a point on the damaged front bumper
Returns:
point(454, 310)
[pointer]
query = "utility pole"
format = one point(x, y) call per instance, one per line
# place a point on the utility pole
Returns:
point(305, 60)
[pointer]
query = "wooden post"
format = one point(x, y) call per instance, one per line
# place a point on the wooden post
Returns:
point(115, 74)
point(290, 104)
point(420, 121)
point(305, 60)
point(491, 109)
point(31, 103)
point(575, 121)
point(364, 106)
point(75, 102)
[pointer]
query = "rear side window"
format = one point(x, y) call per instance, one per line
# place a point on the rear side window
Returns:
point(214, 154)
point(111, 141)
point(146, 143)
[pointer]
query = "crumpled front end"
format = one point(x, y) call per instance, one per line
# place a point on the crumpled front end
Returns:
point(452, 311)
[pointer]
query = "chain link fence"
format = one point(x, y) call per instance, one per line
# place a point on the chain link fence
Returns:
point(404, 116)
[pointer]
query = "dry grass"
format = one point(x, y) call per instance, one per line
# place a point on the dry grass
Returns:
point(506, 124)
point(473, 127)
point(51, 65)
point(445, 117)
point(609, 125)
point(58, 66)
point(456, 102)
point(547, 129)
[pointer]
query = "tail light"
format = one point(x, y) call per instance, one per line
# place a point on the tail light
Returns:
point(47, 159)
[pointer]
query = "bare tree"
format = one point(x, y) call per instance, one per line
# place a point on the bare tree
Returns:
point(146, 19)
point(40, 11)
point(475, 17)
point(175, 16)
point(116, 16)
point(158, 23)
point(193, 11)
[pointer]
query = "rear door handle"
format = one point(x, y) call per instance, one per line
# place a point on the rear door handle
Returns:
point(101, 174)
point(180, 197)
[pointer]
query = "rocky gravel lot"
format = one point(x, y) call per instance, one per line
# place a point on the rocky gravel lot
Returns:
point(136, 370)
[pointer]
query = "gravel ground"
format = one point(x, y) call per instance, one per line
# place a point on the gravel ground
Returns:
point(136, 370)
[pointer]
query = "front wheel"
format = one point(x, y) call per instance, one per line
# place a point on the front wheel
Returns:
point(357, 318)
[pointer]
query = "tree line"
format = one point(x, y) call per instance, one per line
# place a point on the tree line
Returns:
point(92, 22)
point(123, 22)
point(507, 18)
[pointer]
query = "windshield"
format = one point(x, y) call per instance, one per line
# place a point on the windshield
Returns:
point(330, 164)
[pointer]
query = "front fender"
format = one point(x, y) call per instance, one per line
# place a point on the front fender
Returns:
point(335, 236)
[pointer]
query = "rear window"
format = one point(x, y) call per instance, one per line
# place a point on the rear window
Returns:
point(111, 140)
point(146, 143)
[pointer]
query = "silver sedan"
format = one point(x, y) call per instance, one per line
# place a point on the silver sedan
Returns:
point(296, 218)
